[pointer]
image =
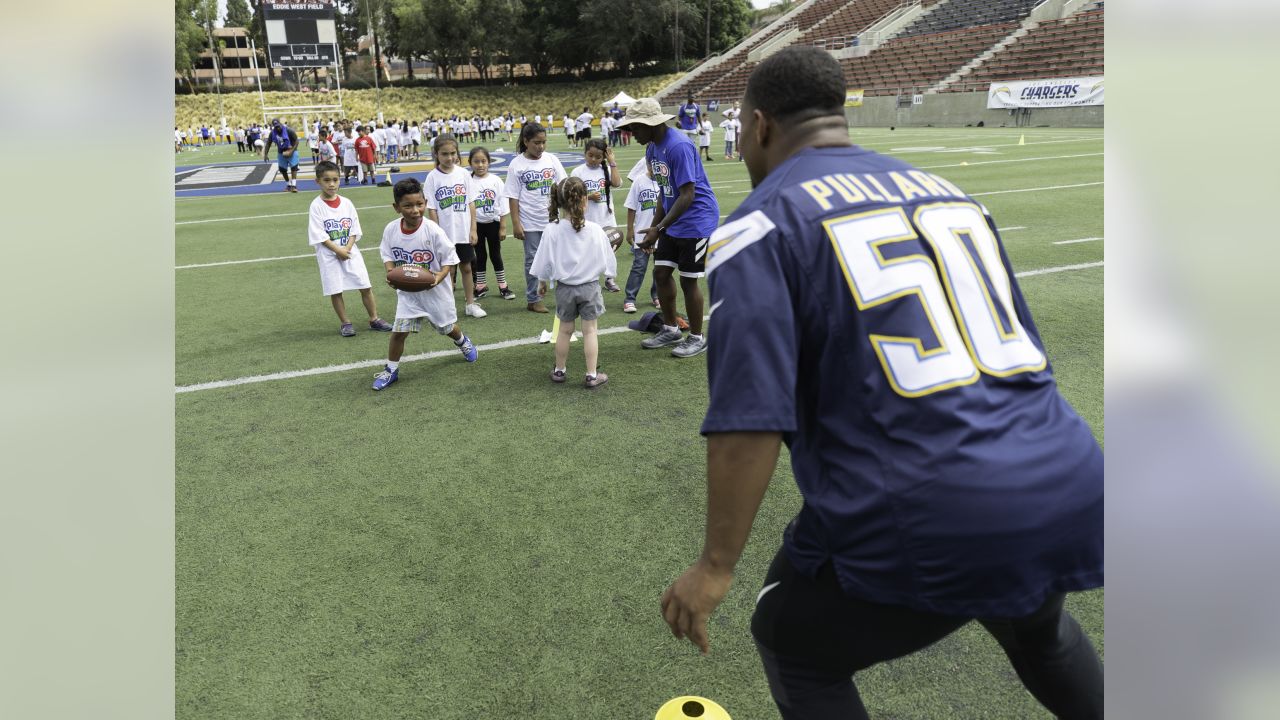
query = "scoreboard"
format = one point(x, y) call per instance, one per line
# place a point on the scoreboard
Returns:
point(300, 33)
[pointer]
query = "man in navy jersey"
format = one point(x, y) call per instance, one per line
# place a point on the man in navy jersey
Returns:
point(866, 314)
point(286, 142)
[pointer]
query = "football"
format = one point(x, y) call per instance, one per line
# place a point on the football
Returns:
point(411, 278)
point(616, 237)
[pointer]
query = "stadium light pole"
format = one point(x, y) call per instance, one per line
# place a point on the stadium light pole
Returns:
point(377, 61)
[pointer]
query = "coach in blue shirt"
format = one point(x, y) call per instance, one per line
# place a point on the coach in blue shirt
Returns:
point(682, 224)
point(866, 314)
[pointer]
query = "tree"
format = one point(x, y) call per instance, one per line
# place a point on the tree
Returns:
point(188, 40)
point(407, 32)
point(238, 14)
point(493, 23)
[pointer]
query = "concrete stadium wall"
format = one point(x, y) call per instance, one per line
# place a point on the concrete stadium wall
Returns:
point(960, 109)
point(951, 110)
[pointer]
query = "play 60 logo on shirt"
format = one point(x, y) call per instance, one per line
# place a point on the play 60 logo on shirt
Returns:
point(538, 180)
point(400, 256)
point(648, 200)
point(662, 174)
point(338, 229)
point(485, 200)
point(452, 197)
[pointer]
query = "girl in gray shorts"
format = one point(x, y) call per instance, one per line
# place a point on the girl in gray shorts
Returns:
point(574, 253)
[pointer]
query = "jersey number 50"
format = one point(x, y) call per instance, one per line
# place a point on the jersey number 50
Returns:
point(966, 296)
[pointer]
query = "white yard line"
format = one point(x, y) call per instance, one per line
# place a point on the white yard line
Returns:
point(243, 262)
point(1051, 187)
point(1073, 242)
point(1062, 268)
point(329, 369)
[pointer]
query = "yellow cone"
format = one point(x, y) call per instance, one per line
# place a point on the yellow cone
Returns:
point(1022, 140)
point(690, 707)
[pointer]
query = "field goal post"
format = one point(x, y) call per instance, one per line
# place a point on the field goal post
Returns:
point(306, 112)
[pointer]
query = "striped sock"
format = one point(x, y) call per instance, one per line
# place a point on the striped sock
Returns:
point(502, 276)
point(480, 278)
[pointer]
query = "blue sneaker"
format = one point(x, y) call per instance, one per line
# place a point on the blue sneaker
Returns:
point(468, 349)
point(385, 378)
point(380, 325)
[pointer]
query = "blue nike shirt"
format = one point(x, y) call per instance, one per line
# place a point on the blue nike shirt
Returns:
point(675, 163)
point(867, 310)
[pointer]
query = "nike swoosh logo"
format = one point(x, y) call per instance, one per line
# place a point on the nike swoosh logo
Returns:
point(766, 589)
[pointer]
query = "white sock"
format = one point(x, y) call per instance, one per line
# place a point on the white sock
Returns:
point(460, 340)
point(694, 337)
point(562, 369)
point(393, 365)
point(671, 328)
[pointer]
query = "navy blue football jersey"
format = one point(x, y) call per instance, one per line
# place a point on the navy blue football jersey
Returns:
point(867, 310)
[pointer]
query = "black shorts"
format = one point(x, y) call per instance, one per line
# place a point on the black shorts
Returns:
point(466, 252)
point(584, 134)
point(688, 255)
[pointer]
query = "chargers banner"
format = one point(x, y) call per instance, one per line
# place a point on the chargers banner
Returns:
point(853, 98)
point(1061, 92)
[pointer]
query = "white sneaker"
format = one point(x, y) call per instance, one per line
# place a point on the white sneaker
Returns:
point(475, 311)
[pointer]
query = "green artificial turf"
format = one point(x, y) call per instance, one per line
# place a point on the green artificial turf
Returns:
point(476, 542)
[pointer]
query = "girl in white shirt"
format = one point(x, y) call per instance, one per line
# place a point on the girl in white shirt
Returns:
point(573, 254)
point(600, 180)
point(704, 139)
point(449, 198)
point(530, 177)
point(491, 207)
point(730, 135)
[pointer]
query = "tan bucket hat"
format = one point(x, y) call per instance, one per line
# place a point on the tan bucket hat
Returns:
point(645, 111)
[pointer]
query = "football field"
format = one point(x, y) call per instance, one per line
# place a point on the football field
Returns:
point(477, 542)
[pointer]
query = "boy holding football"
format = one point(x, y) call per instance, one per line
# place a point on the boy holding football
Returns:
point(333, 228)
point(411, 240)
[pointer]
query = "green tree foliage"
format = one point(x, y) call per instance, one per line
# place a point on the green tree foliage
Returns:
point(238, 14)
point(189, 39)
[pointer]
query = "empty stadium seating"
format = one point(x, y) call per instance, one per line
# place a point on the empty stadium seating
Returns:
point(913, 64)
point(1069, 47)
point(969, 13)
point(734, 63)
point(845, 23)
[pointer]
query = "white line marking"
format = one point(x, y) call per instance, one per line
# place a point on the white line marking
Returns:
point(1051, 187)
point(1017, 160)
point(328, 369)
point(261, 217)
point(1073, 242)
point(243, 262)
point(1064, 268)
point(1014, 227)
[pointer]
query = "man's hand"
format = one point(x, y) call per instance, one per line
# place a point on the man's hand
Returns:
point(650, 239)
point(691, 599)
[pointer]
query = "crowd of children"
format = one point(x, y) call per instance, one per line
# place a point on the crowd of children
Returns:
point(454, 222)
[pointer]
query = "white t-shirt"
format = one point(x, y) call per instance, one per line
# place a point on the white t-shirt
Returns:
point(491, 204)
point(569, 129)
point(730, 129)
point(584, 121)
point(704, 134)
point(573, 257)
point(450, 195)
point(393, 135)
point(348, 146)
point(340, 224)
point(415, 134)
point(324, 151)
point(606, 124)
point(313, 139)
point(428, 247)
point(599, 211)
point(379, 136)
point(507, 125)
point(643, 198)
point(529, 182)
point(537, 119)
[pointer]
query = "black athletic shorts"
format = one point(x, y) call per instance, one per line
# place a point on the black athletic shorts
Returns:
point(466, 252)
point(688, 255)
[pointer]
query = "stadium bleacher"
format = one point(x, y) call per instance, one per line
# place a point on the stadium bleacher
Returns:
point(958, 14)
point(937, 44)
point(1070, 47)
point(913, 64)
point(702, 87)
point(847, 22)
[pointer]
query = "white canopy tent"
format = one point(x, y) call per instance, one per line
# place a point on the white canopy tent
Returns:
point(623, 100)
